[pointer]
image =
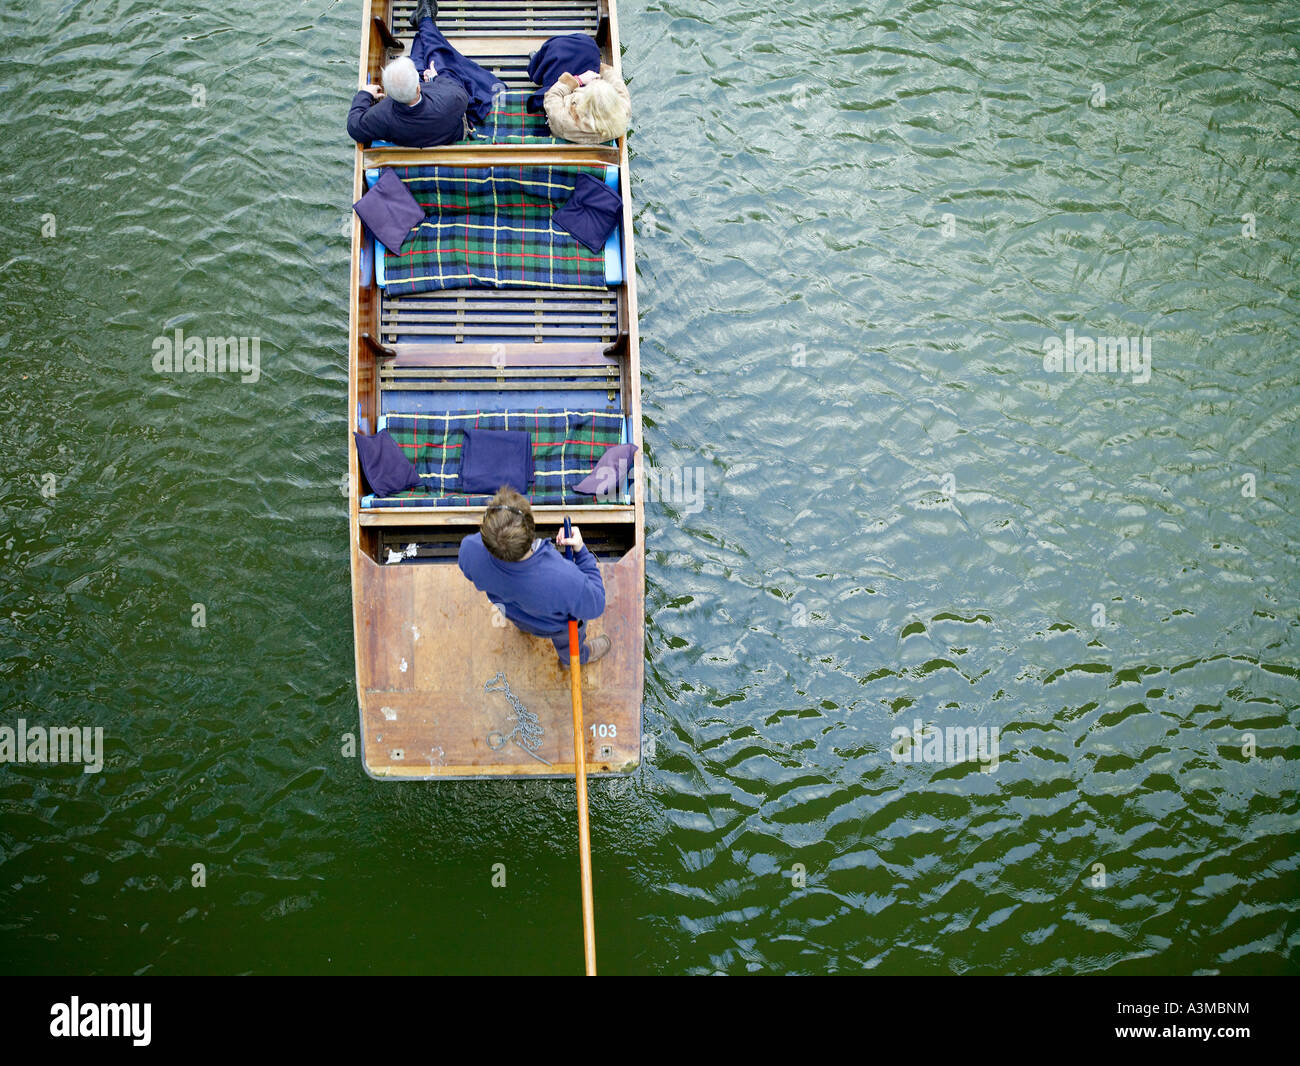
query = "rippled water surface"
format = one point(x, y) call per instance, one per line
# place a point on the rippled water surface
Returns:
point(857, 227)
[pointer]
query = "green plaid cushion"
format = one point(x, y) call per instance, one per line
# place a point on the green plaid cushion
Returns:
point(566, 445)
point(510, 122)
point(491, 228)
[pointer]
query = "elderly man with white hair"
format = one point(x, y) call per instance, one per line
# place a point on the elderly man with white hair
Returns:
point(428, 98)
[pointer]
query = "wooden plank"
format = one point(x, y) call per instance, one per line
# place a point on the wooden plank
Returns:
point(480, 355)
point(397, 373)
point(576, 325)
point(602, 34)
point(451, 9)
point(438, 551)
point(507, 57)
point(564, 310)
point(517, 10)
point(440, 726)
point(544, 329)
point(491, 35)
point(472, 516)
point(545, 316)
point(486, 18)
point(506, 313)
point(427, 320)
point(500, 37)
point(443, 543)
point(593, 309)
point(388, 647)
point(495, 386)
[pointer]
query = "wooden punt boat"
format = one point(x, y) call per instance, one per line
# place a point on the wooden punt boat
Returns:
point(445, 689)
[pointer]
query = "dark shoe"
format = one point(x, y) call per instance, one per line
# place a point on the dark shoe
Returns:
point(425, 9)
point(599, 649)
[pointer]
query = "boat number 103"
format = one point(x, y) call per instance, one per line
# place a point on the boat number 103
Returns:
point(604, 731)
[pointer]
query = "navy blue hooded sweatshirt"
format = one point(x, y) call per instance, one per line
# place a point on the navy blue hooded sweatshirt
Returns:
point(541, 593)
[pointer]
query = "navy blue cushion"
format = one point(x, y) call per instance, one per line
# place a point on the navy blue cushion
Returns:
point(609, 473)
point(591, 213)
point(572, 53)
point(386, 469)
point(491, 458)
point(389, 210)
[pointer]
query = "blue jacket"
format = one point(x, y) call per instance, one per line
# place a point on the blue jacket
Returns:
point(438, 117)
point(541, 593)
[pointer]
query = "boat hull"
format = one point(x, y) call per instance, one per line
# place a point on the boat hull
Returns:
point(446, 687)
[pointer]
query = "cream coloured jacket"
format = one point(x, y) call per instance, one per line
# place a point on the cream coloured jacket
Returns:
point(564, 121)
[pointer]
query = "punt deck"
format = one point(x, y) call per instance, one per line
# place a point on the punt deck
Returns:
point(445, 689)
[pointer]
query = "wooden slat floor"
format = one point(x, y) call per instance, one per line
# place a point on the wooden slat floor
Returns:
point(505, 18)
point(539, 315)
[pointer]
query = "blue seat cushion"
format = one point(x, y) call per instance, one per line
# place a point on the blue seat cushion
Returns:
point(386, 469)
point(565, 447)
point(591, 214)
point(491, 458)
point(389, 210)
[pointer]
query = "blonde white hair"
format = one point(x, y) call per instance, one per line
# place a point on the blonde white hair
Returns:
point(402, 80)
point(600, 107)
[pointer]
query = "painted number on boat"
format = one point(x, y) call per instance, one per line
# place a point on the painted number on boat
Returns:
point(604, 731)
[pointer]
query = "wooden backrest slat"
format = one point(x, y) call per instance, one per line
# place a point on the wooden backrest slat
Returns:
point(396, 373)
point(478, 354)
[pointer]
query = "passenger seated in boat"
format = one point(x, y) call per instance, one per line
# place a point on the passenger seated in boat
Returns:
point(584, 100)
point(429, 98)
point(589, 108)
point(531, 582)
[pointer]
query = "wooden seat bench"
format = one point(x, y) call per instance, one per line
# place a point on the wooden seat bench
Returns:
point(531, 316)
point(506, 18)
point(513, 329)
point(434, 378)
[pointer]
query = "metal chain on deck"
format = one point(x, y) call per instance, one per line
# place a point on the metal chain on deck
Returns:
point(527, 733)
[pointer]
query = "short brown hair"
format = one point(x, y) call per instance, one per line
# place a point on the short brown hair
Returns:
point(508, 527)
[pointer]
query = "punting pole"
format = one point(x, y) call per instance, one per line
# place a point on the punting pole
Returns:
point(580, 773)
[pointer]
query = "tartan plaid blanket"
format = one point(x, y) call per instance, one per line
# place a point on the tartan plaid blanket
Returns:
point(491, 228)
point(566, 445)
point(510, 122)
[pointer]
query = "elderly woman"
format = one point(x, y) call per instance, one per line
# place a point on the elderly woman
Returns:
point(584, 100)
point(589, 108)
